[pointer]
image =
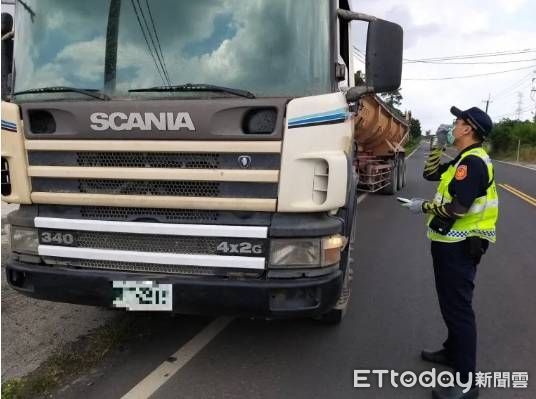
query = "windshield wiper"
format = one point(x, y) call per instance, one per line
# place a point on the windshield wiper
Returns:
point(198, 87)
point(64, 89)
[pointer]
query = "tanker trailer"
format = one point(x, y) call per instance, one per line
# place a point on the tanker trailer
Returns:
point(379, 139)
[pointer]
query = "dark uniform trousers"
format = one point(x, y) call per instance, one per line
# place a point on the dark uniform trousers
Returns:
point(455, 271)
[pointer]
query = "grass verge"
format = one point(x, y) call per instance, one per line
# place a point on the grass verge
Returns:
point(526, 154)
point(70, 361)
point(412, 144)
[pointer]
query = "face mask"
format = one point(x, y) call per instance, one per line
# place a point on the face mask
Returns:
point(450, 136)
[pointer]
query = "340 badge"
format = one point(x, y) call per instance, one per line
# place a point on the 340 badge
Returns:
point(50, 237)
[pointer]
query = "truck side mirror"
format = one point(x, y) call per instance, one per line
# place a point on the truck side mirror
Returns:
point(7, 54)
point(383, 63)
point(384, 55)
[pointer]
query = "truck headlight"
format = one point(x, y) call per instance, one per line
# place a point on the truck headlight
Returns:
point(303, 253)
point(24, 240)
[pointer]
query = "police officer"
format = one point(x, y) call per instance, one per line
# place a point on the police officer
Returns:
point(460, 222)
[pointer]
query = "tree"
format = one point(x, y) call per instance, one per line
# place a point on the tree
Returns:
point(392, 99)
point(507, 133)
point(415, 128)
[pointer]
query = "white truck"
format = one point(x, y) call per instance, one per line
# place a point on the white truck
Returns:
point(198, 157)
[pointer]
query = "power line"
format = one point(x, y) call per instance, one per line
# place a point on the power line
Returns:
point(359, 57)
point(147, 42)
point(445, 60)
point(467, 63)
point(469, 56)
point(510, 92)
point(359, 52)
point(157, 40)
point(156, 35)
point(522, 111)
point(158, 55)
point(514, 86)
point(472, 76)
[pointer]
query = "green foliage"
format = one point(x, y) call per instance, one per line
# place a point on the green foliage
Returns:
point(412, 144)
point(415, 128)
point(393, 99)
point(11, 389)
point(507, 133)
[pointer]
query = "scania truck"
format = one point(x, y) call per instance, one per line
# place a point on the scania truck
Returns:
point(192, 156)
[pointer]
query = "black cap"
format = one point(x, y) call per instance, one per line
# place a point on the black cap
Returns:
point(476, 118)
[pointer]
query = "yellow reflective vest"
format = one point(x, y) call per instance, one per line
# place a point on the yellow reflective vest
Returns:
point(481, 218)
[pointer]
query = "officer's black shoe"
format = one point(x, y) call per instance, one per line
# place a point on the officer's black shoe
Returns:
point(439, 357)
point(455, 392)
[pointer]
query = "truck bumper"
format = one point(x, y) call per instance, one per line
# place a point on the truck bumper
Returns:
point(271, 298)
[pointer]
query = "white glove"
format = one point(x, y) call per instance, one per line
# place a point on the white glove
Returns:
point(415, 205)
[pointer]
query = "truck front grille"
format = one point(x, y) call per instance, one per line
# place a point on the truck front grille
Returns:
point(186, 189)
point(182, 175)
point(137, 187)
point(179, 160)
point(151, 268)
point(160, 214)
point(152, 247)
point(148, 160)
point(151, 243)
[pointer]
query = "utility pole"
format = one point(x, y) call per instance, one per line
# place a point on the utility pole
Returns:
point(533, 97)
point(110, 57)
point(487, 102)
point(519, 109)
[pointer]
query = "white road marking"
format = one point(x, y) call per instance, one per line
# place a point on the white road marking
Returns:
point(517, 164)
point(413, 152)
point(148, 386)
point(505, 162)
point(361, 198)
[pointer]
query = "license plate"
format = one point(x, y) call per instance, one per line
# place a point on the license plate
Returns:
point(143, 295)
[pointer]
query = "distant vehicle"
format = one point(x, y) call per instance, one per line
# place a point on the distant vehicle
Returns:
point(440, 135)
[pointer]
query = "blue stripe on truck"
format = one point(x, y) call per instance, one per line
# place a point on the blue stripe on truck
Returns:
point(334, 116)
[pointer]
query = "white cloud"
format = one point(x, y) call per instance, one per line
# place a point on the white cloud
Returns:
point(511, 6)
point(462, 27)
point(85, 58)
point(432, 29)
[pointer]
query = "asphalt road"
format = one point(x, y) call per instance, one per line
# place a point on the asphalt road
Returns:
point(393, 315)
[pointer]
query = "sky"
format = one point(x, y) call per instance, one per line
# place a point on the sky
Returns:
point(459, 27)
point(256, 45)
point(237, 50)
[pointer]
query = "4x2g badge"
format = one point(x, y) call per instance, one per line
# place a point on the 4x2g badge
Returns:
point(240, 248)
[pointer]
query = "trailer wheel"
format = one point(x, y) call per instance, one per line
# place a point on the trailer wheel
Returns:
point(401, 173)
point(337, 313)
point(404, 173)
point(392, 187)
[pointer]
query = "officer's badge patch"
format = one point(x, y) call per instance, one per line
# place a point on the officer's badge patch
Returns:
point(461, 172)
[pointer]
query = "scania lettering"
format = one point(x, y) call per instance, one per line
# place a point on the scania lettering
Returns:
point(146, 121)
point(214, 155)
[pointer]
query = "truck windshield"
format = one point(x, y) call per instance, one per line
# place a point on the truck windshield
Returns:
point(267, 47)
